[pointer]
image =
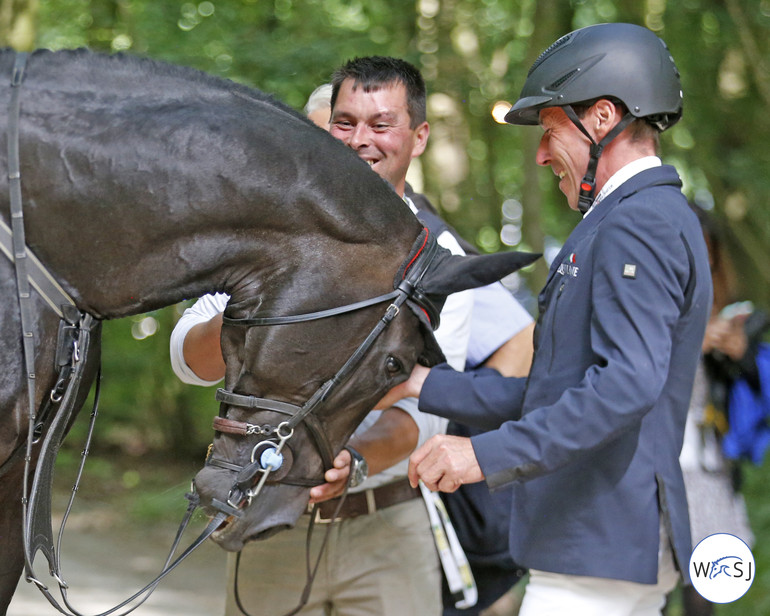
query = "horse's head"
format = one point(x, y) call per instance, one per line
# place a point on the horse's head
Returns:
point(299, 385)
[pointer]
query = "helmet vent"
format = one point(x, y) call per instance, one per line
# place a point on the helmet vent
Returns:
point(541, 58)
point(562, 80)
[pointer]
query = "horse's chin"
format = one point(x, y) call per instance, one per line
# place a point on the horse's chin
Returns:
point(260, 520)
point(234, 541)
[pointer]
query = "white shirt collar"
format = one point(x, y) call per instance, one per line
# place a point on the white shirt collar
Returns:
point(410, 203)
point(624, 174)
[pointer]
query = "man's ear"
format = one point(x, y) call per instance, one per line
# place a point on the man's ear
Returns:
point(420, 139)
point(605, 115)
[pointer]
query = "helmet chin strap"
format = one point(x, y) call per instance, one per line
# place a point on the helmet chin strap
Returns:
point(588, 185)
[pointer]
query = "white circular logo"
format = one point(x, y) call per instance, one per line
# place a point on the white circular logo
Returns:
point(722, 568)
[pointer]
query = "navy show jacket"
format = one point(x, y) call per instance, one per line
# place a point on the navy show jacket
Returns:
point(591, 439)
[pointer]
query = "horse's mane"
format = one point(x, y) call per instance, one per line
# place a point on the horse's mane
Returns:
point(95, 92)
point(121, 72)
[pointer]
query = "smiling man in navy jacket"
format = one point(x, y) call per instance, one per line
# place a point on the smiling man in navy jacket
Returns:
point(591, 438)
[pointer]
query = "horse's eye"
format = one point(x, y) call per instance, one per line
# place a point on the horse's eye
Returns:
point(393, 365)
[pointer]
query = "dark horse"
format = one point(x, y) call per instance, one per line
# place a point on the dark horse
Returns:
point(145, 184)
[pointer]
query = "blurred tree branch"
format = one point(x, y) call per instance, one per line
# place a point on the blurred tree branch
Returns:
point(757, 60)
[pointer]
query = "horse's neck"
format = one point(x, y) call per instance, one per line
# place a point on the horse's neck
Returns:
point(126, 246)
point(158, 256)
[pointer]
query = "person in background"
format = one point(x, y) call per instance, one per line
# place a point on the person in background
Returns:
point(318, 106)
point(590, 440)
point(729, 351)
point(380, 558)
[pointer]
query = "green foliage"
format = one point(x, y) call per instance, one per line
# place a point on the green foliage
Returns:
point(722, 50)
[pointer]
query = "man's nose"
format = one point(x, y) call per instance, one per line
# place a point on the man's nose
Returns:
point(543, 156)
point(359, 137)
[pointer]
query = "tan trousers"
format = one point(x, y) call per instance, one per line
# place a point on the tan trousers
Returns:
point(382, 564)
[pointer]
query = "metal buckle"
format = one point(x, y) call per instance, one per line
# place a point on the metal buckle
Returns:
point(321, 520)
point(371, 507)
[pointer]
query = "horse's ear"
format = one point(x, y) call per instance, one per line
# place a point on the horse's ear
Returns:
point(456, 273)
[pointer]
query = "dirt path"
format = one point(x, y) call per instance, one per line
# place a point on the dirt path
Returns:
point(104, 564)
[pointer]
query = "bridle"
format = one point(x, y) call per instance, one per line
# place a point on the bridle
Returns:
point(266, 455)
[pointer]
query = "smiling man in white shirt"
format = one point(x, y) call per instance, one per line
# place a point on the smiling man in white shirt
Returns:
point(381, 557)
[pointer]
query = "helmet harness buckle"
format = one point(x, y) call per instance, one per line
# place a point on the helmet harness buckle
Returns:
point(588, 184)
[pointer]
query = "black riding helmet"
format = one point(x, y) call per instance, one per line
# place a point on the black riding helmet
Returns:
point(624, 62)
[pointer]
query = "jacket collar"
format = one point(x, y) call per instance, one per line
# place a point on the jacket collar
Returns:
point(655, 176)
point(623, 175)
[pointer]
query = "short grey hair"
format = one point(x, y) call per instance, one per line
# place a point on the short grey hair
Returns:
point(320, 98)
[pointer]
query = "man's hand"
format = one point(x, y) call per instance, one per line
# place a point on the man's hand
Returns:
point(444, 463)
point(336, 479)
point(388, 441)
point(410, 388)
point(727, 336)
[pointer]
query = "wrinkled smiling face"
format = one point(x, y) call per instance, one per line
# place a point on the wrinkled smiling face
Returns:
point(565, 149)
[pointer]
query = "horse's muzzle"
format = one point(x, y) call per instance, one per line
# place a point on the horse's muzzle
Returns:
point(276, 508)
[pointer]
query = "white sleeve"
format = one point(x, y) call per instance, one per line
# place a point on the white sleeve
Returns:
point(455, 329)
point(497, 317)
point(428, 424)
point(201, 311)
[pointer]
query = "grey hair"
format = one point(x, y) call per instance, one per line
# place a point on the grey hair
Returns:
point(320, 98)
